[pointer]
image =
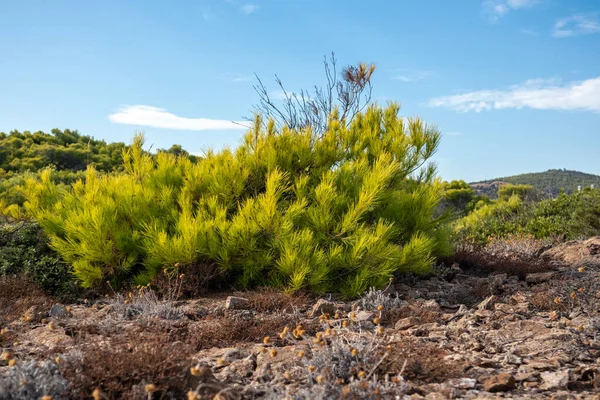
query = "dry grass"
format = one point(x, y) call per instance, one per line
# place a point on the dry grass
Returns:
point(413, 309)
point(269, 300)
point(121, 364)
point(568, 292)
point(232, 330)
point(420, 361)
point(17, 295)
point(514, 256)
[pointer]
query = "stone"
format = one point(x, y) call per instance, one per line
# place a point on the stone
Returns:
point(456, 267)
point(463, 383)
point(513, 359)
point(59, 311)
point(431, 305)
point(542, 365)
point(232, 354)
point(512, 308)
point(462, 310)
point(406, 323)
point(323, 307)
point(243, 368)
point(435, 396)
point(531, 376)
point(499, 383)
point(34, 314)
point(539, 277)
point(437, 335)
point(48, 338)
point(530, 384)
point(263, 373)
point(236, 303)
point(554, 380)
point(487, 304)
point(364, 316)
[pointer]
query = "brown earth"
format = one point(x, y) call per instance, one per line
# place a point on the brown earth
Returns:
point(462, 333)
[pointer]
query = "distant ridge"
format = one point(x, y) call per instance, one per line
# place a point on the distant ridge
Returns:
point(550, 183)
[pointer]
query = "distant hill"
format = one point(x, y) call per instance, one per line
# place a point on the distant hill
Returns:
point(550, 183)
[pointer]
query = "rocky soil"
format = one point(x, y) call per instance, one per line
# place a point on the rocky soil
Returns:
point(462, 333)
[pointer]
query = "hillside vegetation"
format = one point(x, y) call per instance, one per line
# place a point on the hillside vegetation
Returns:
point(550, 183)
point(67, 152)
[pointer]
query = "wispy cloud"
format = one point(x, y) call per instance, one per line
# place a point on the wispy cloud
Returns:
point(496, 9)
point(453, 133)
point(411, 75)
point(155, 117)
point(536, 93)
point(207, 15)
point(249, 8)
point(235, 77)
point(576, 25)
point(530, 32)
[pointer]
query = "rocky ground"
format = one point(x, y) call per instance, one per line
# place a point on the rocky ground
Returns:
point(462, 333)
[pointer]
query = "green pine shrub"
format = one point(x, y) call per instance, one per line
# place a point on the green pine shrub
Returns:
point(498, 219)
point(339, 211)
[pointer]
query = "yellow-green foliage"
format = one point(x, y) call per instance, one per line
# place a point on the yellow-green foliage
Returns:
point(498, 219)
point(525, 192)
point(341, 211)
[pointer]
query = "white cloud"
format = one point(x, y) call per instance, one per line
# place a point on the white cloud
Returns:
point(249, 8)
point(536, 93)
point(411, 75)
point(142, 115)
point(453, 133)
point(575, 25)
point(496, 9)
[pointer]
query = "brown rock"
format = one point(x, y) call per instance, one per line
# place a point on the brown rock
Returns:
point(323, 307)
point(487, 304)
point(463, 383)
point(542, 365)
point(531, 376)
point(555, 380)
point(236, 303)
point(539, 277)
point(48, 338)
point(406, 323)
point(576, 252)
point(431, 305)
point(499, 383)
point(34, 314)
point(364, 316)
point(59, 311)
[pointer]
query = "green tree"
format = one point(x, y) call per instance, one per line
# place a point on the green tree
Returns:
point(524, 192)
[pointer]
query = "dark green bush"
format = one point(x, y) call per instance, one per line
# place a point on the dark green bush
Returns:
point(24, 250)
point(574, 215)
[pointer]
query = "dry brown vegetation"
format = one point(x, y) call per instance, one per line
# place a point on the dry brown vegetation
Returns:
point(123, 365)
point(149, 345)
point(413, 309)
point(517, 256)
point(17, 295)
point(420, 362)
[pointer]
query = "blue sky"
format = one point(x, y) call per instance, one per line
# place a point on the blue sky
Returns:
point(514, 85)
